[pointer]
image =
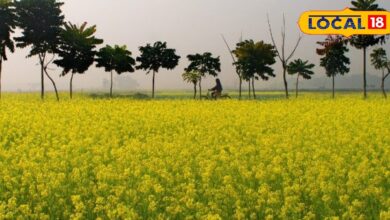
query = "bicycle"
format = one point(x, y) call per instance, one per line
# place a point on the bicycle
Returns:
point(218, 96)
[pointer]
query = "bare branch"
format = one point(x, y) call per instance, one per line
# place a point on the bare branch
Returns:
point(228, 47)
point(273, 39)
point(295, 48)
point(50, 61)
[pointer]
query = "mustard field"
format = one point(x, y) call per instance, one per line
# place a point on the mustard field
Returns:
point(92, 158)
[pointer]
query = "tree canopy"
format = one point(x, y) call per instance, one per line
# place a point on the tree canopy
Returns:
point(204, 64)
point(302, 68)
point(255, 59)
point(42, 36)
point(116, 58)
point(76, 48)
point(333, 51)
point(7, 26)
point(156, 56)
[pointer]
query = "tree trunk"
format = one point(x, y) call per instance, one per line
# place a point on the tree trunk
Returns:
point(365, 72)
point(249, 89)
point(112, 85)
point(333, 92)
point(1, 65)
point(200, 88)
point(296, 89)
point(383, 84)
point(253, 88)
point(71, 86)
point(154, 77)
point(54, 85)
point(194, 90)
point(240, 90)
point(41, 60)
point(285, 80)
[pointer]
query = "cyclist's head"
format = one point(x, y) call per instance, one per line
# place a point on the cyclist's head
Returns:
point(218, 81)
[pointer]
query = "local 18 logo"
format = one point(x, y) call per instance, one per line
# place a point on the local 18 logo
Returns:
point(345, 22)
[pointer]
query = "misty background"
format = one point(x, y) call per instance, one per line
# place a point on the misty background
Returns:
point(189, 26)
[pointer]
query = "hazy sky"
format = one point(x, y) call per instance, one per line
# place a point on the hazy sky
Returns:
point(189, 26)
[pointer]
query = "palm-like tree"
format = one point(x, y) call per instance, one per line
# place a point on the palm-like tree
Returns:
point(7, 26)
point(365, 41)
point(117, 59)
point(76, 50)
point(380, 61)
point(192, 77)
point(302, 69)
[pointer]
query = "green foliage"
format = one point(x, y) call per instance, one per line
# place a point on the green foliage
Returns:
point(156, 56)
point(301, 67)
point(379, 59)
point(7, 26)
point(40, 21)
point(76, 48)
point(334, 60)
point(365, 5)
point(204, 64)
point(255, 59)
point(116, 58)
point(191, 77)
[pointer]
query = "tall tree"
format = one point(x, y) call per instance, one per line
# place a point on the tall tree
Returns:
point(156, 56)
point(380, 62)
point(238, 72)
point(7, 26)
point(192, 77)
point(205, 64)
point(40, 21)
point(254, 61)
point(76, 50)
point(302, 69)
point(117, 59)
point(334, 60)
point(282, 55)
point(363, 42)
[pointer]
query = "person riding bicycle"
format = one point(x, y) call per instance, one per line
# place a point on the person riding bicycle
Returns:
point(217, 89)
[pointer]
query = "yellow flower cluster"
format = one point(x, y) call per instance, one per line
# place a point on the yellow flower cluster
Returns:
point(129, 159)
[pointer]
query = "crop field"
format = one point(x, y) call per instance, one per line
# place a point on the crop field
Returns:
point(126, 158)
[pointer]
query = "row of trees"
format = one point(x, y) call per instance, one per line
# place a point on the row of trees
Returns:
point(74, 49)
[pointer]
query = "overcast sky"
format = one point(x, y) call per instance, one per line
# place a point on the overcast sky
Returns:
point(189, 26)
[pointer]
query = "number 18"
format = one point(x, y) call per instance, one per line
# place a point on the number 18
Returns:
point(377, 22)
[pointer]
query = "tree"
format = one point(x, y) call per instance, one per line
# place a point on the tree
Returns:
point(76, 50)
point(363, 42)
point(334, 60)
point(117, 59)
point(40, 21)
point(380, 61)
point(7, 26)
point(254, 61)
point(192, 77)
point(301, 68)
point(282, 52)
point(158, 56)
point(204, 64)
